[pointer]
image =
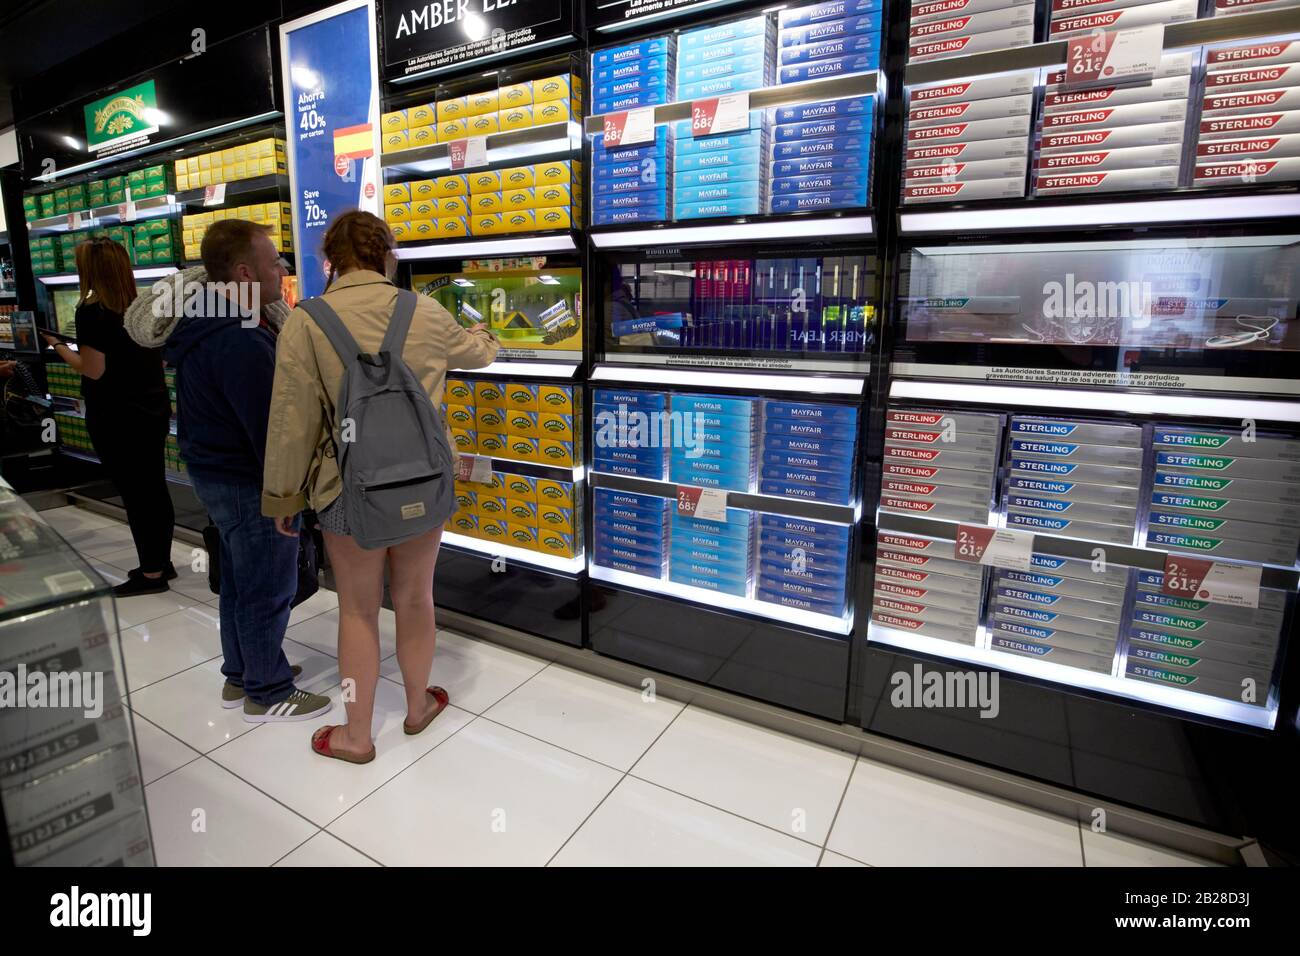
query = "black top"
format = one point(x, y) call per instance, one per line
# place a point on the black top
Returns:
point(133, 380)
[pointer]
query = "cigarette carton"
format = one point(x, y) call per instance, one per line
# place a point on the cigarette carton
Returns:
point(953, 171)
point(934, 508)
point(1260, 147)
point(1169, 11)
point(1266, 53)
point(1011, 593)
point(1042, 582)
point(832, 10)
point(831, 66)
point(1003, 19)
point(1003, 611)
point(1283, 536)
point(1068, 528)
point(1073, 491)
point(1161, 177)
point(1124, 516)
point(1013, 126)
point(844, 46)
point(937, 48)
point(1123, 137)
point(1250, 101)
point(945, 9)
point(866, 24)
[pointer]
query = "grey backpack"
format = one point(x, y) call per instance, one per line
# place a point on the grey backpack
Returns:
point(395, 462)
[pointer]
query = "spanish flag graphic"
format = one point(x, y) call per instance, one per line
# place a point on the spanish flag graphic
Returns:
point(354, 142)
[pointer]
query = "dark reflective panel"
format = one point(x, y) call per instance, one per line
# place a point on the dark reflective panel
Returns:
point(548, 605)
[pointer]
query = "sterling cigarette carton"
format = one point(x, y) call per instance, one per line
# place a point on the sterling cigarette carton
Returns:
point(1069, 528)
point(960, 132)
point(939, 191)
point(1171, 88)
point(954, 171)
point(1161, 177)
point(930, 114)
point(936, 48)
point(1169, 11)
point(1135, 157)
point(1123, 137)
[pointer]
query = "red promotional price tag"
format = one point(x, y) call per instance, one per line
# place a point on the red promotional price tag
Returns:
point(476, 468)
point(629, 128)
point(707, 504)
point(126, 211)
point(74, 221)
point(1114, 56)
point(720, 114)
point(468, 153)
point(214, 195)
point(1234, 584)
point(1001, 548)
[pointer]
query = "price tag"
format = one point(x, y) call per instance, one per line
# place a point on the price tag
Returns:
point(1003, 548)
point(1114, 56)
point(1234, 584)
point(468, 153)
point(74, 221)
point(476, 468)
point(707, 504)
point(720, 114)
point(630, 127)
point(126, 211)
point(214, 195)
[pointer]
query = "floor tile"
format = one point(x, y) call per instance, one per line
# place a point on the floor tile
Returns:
point(607, 722)
point(321, 631)
point(640, 824)
point(488, 796)
point(325, 849)
point(1115, 849)
point(188, 705)
point(894, 818)
point(835, 859)
point(475, 673)
point(203, 815)
point(320, 602)
point(790, 785)
point(160, 752)
point(170, 644)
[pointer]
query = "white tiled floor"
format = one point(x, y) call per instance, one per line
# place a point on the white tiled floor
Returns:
point(534, 764)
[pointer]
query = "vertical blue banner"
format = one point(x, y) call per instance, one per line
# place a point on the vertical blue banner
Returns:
point(331, 107)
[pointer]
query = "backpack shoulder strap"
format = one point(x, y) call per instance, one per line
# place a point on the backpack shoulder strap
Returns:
point(400, 323)
point(333, 327)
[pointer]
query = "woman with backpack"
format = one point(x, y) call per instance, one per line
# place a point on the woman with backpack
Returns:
point(340, 441)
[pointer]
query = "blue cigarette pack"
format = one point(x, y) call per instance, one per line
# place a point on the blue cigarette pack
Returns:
point(820, 183)
point(810, 412)
point(651, 168)
point(641, 83)
point(795, 429)
point(781, 444)
point(618, 217)
point(778, 572)
point(630, 454)
point(835, 534)
point(687, 144)
point(795, 556)
point(698, 473)
point(835, 146)
point(651, 48)
point(600, 156)
point(821, 591)
point(713, 405)
point(831, 29)
point(838, 479)
point(830, 199)
point(846, 46)
point(799, 602)
point(717, 422)
point(731, 50)
point(738, 524)
point(716, 550)
point(650, 323)
point(614, 104)
point(736, 586)
point(637, 469)
point(648, 543)
point(688, 183)
point(812, 547)
point(716, 192)
point(852, 106)
point(647, 198)
point(724, 207)
point(631, 397)
point(831, 66)
point(722, 85)
point(825, 128)
point(647, 526)
point(756, 62)
point(794, 460)
point(609, 558)
point(725, 158)
point(813, 165)
point(733, 579)
point(723, 33)
point(830, 10)
point(631, 184)
point(646, 66)
point(794, 489)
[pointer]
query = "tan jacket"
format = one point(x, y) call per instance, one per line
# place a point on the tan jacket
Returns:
point(300, 467)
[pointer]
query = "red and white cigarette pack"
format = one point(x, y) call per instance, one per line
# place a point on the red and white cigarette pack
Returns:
point(1251, 101)
point(1247, 172)
point(1122, 137)
point(1010, 147)
point(935, 114)
point(1171, 88)
point(955, 172)
point(968, 24)
point(1119, 180)
point(1258, 147)
point(983, 88)
point(1166, 11)
point(937, 48)
point(1269, 53)
point(964, 191)
point(1062, 9)
point(1106, 117)
point(1273, 76)
point(944, 9)
point(1252, 124)
point(1133, 157)
point(963, 132)
point(1223, 8)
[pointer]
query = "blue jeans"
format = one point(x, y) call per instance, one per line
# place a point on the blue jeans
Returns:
point(259, 578)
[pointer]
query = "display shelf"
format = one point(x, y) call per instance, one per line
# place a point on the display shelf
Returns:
point(531, 469)
point(512, 146)
point(550, 562)
point(1129, 556)
point(236, 188)
point(140, 272)
point(846, 225)
point(850, 385)
point(1243, 26)
point(505, 367)
point(155, 207)
point(768, 504)
point(787, 94)
point(484, 246)
point(1180, 702)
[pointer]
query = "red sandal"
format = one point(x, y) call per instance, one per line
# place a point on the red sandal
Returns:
point(443, 700)
point(320, 743)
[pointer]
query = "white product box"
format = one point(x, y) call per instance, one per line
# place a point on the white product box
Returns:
point(961, 172)
point(967, 25)
point(1123, 137)
point(1273, 76)
point(1253, 54)
point(984, 88)
point(961, 423)
point(1136, 114)
point(1136, 157)
point(1260, 147)
point(915, 471)
point(940, 47)
point(1223, 8)
point(1073, 8)
point(1252, 124)
point(968, 132)
point(944, 9)
point(1170, 88)
point(928, 155)
point(963, 191)
point(1169, 11)
point(1247, 172)
point(932, 114)
point(1120, 180)
point(1251, 101)
point(924, 628)
point(1171, 64)
point(932, 597)
point(927, 582)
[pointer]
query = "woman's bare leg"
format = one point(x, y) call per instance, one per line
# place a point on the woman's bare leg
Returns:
point(359, 579)
point(410, 584)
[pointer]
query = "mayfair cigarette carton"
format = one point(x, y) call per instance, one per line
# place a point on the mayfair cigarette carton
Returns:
point(865, 24)
point(828, 67)
point(831, 10)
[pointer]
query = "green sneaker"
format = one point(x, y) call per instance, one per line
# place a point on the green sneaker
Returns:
point(232, 696)
point(299, 705)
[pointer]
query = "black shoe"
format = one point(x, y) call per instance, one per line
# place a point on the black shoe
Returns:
point(133, 587)
point(170, 573)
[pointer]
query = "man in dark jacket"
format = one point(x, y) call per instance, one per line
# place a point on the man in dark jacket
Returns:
point(225, 364)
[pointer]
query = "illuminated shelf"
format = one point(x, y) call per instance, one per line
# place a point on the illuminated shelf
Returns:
point(757, 229)
point(1172, 698)
point(155, 207)
point(495, 549)
point(768, 504)
point(1242, 26)
point(236, 189)
point(850, 385)
point(505, 367)
point(507, 245)
point(140, 272)
point(718, 600)
point(512, 146)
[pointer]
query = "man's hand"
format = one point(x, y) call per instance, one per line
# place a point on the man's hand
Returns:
point(285, 525)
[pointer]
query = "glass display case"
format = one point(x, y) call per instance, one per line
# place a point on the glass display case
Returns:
point(70, 781)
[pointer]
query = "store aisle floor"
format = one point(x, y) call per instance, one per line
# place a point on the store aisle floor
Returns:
point(533, 764)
